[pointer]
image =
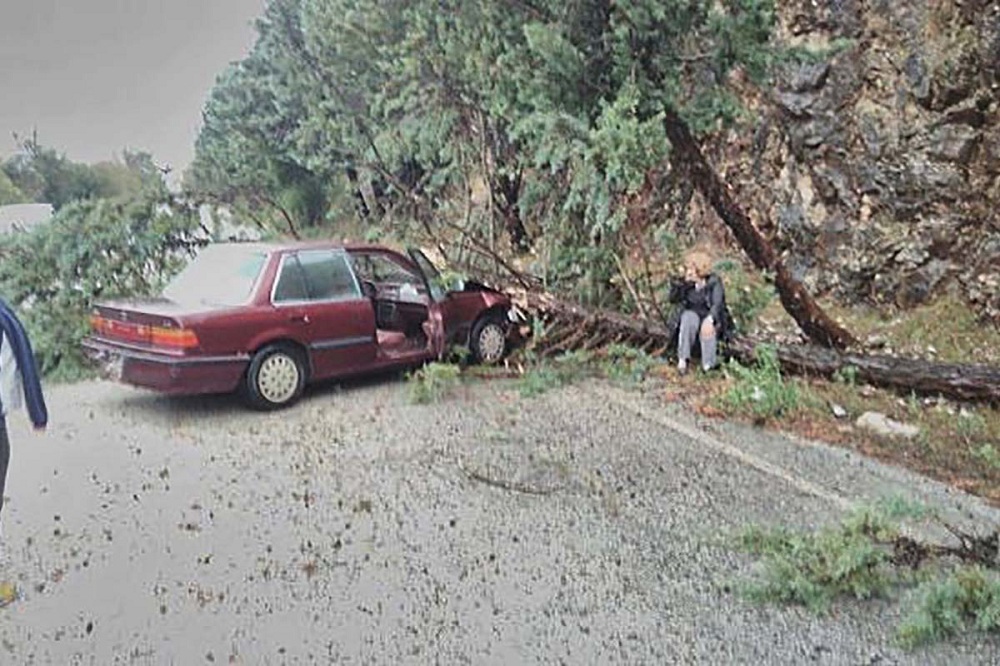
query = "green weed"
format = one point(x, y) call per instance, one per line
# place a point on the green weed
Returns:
point(967, 599)
point(626, 364)
point(847, 374)
point(988, 454)
point(746, 296)
point(547, 375)
point(433, 382)
point(761, 390)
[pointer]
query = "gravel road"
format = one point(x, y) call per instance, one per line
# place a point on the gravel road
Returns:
point(591, 525)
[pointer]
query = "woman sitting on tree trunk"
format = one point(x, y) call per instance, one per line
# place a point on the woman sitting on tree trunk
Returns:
point(701, 313)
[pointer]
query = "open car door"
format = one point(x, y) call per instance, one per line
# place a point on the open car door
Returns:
point(438, 319)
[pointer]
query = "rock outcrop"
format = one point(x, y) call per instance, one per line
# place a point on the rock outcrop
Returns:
point(874, 163)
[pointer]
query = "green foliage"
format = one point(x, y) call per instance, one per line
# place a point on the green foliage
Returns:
point(9, 192)
point(626, 364)
point(433, 382)
point(761, 390)
point(89, 250)
point(970, 425)
point(815, 568)
point(968, 598)
point(561, 371)
point(847, 374)
point(854, 560)
point(988, 454)
point(559, 109)
point(746, 297)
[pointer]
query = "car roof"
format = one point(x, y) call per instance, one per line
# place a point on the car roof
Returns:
point(309, 245)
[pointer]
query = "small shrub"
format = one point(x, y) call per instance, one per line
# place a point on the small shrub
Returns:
point(761, 390)
point(847, 374)
point(988, 454)
point(970, 425)
point(747, 298)
point(563, 370)
point(627, 364)
point(433, 382)
point(968, 598)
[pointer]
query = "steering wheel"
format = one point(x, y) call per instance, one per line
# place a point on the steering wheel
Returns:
point(369, 289)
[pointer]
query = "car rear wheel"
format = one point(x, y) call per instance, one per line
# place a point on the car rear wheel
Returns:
point(275, 378)
point(488, 342)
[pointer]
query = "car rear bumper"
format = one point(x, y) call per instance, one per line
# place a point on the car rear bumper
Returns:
point(179, 375)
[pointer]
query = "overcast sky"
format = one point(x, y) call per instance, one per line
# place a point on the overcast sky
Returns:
point(97, 76)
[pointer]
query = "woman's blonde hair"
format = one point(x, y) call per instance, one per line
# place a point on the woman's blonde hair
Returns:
point(700, 261)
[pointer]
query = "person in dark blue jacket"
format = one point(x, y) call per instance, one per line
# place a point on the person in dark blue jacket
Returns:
point(19, 383)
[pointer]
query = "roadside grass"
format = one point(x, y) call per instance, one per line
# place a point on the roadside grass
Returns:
point(945, 329)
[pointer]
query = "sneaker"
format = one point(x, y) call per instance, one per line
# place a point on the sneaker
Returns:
point(682, 366)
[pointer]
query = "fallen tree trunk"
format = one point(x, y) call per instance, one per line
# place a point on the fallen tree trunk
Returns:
point(568, 327)
point(798, 302)
point(954, 380)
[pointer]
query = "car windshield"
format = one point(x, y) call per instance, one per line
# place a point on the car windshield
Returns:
point(219, 275)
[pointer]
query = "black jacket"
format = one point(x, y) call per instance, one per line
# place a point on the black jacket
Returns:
point(685, 297)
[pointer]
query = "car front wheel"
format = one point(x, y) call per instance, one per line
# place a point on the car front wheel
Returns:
point(488, 342)
point(275, 378)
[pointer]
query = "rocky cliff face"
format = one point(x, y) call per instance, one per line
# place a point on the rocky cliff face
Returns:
point(878, 164)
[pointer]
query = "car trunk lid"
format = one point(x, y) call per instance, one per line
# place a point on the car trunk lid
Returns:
point(156, 324)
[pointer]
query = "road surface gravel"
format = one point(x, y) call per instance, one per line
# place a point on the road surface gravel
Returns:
point(590, 525)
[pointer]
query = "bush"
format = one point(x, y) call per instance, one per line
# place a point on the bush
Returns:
point(433, 382)
point(761, 390)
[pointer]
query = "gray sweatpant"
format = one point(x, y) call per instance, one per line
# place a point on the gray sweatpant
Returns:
point(690, 327)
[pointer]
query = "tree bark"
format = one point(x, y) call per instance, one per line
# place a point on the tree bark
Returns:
point(506, 193)
point(799, 303)
point(971, 382)
point(570, 327)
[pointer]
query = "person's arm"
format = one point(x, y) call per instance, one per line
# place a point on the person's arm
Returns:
point(718, 301)
point(25, 357)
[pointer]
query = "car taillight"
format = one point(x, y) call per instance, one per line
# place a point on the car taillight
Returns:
point(178, 338)
point(160, 336)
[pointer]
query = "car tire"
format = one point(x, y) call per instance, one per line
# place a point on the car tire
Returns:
point(276, 377)
point(488, 342)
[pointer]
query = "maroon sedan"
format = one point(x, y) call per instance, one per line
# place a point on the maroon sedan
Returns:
point(266, 319)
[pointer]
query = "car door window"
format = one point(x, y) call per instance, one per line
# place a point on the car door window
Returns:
point(380, 269)
point(328, 276)
point(291, 284)
point(431, 275)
